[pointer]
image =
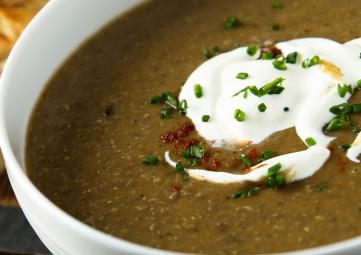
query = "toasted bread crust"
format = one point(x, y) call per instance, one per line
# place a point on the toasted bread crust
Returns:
point(14, 16)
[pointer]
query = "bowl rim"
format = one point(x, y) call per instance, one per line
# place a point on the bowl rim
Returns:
point(14, 168)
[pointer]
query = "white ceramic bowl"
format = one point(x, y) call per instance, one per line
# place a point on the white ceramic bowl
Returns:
point(49, 39)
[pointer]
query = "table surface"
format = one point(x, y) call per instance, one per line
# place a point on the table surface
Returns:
point(7, 196)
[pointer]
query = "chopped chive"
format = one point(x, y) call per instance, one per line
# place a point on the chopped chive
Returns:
point(205, 118)
point(207, 53)
point(341, 109)
point(262, 107)
point(359, 84)
point(337, 123)
point(308, 62)
point(249, 192)
point(196, 151)
point(266, 55)
point(355, 128)
point(155, 99)
point(170, 99)
point(242, 76)
point(108, 110)
point(356, 108)
point(360, 55)
point(185, 154)
point(292, 58)
point(231, 22)
point(166, 113)
point(245, 160)
point(275, 178)
point(252, 50)
point(345, 147)
point(280, 64)
point(310, 141)
point(211, 53)
point(179, 168)
point(267, 154)
point(183, 106)
point(343, 89)
point(277, 5)
point(286, 109)
point(150, 161)
point(321, 186)
point(274, 169)
point(275, 27)
point(273, 86)
point(239, 115)
point(198, 91)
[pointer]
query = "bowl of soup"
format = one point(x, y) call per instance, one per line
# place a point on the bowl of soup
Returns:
point(187, 127)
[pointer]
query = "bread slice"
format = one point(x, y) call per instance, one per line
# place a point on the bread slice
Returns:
point(14, 16)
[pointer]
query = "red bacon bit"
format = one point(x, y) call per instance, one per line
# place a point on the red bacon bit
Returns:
point(341, 165)
point(206, 157)
point(184, 131)
point(176, 188)
point(215, 163)
point(273, 49)
point(253, 155)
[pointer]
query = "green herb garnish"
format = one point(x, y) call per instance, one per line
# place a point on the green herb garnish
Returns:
point(345, 147)
point(266, 55)
point(196, 151)
point(245, 160)
point(205, 118)
point(249, 192)
point(343, 89)
point(277, 5)
point(198, 91)
point(321, 186)
point(273, 87)
point(231, 22)
point(211, 53)
point(355, 128)
point(338, 122)
point(262, 107)
point(252, 50)
point(275, 178)
point(280, 64)
point(179, 168)
point(155, 99)
point(108, 110)
point(242, 76)
point(341, 109)
point(292, 58)
point(166, 113)
point(310, 141)
point(275, 27)
point(169, 99)
point(359, 84)
point(308, 62)
point(185, 154)
point(150, 161)
point(267, 154)
point(183, 106)
point(239, 115)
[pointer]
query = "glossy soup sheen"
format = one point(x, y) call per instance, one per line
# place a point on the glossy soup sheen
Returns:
point(94, 124)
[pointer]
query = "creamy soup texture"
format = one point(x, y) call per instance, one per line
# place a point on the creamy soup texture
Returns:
point(210, 127)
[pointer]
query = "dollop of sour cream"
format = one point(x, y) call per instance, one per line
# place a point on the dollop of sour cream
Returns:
point(308, 95)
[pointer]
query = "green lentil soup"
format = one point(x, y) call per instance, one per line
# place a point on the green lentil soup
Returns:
point(98, 134)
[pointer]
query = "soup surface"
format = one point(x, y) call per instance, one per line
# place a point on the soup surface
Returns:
point(94, 125)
